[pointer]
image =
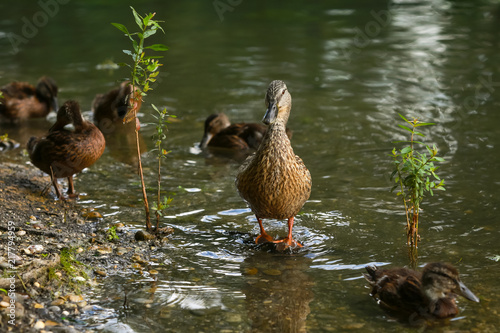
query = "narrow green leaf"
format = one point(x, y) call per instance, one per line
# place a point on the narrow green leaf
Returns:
point(406, 150)
point(128, 52)
point(157, 47)
point(424, 124)
point(394, 187)
point(418, 133)
point(403, 118)
point(150, 32)
point(405, 128)
point(438, 159)
point(138, 18)
point(121, 27)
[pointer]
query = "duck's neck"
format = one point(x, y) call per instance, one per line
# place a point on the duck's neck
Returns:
point(276, 136)
point(78, 122)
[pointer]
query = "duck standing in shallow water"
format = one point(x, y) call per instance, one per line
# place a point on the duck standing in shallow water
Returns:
point(20, 100)
point(63, 153)
point(220, 133)
point(427, 294)
point(274, 181)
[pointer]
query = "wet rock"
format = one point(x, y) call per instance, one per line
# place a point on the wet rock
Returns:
point(101, 273)
point(35, 248)
point(142, 235)
point(54, 308)
point(58, 302)
point(39, 325)
point(75, 298)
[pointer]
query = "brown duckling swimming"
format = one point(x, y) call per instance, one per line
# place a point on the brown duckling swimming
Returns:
point(220, 133)
point(274, 181)
point(112, 107)
point(427, 294)
point(21, 100)
point(63, 153)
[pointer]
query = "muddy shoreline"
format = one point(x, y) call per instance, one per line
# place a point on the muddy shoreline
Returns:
point(53, 252)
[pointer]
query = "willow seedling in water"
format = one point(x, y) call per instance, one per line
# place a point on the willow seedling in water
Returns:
point(415, 174)
point(143, 71)
point(161, 127)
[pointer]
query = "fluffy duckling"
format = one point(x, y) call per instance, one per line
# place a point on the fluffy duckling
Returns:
point(112, 107)
point(274, 181)
point(63, 153)
point(428, 294)
point(220, 133)
point(21, 100)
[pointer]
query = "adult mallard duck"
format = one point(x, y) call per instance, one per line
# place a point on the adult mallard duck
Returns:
point(274, 181)
point(21, 100)
point(63, 153)
point(427, 294)
point(220, 133)
point(112, 107)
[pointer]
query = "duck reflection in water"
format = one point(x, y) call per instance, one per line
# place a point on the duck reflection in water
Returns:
point(109, 111)
point(418, 296)
point(278, 292)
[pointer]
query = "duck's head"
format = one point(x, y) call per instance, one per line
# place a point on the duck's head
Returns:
point(127, 100)
point(278, 102)
point(214, 124)
point(47, 90)
point(441, 280)
point(69, 113)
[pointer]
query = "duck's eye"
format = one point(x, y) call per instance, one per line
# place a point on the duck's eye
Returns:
point(283, 92)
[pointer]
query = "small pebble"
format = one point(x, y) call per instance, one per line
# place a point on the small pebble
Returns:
point(21, 233)
point(54, 308)
point(39, 325)
point(75, 298)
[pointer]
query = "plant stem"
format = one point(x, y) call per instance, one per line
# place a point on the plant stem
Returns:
point(143, 185)
point(159, 196)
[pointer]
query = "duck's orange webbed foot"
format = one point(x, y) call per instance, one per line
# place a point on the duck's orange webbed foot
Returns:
point(263, 238)
point(289, 242)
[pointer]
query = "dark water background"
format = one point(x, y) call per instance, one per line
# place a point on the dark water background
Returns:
point(350, 66)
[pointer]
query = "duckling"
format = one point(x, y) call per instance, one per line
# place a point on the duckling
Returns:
point(20, 100)
point(112, 107)
point(274, 181)
point(220, 133)
point(63, 153)
point(428, 294)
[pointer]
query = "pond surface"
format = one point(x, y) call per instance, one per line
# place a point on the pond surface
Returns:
point(350, 66)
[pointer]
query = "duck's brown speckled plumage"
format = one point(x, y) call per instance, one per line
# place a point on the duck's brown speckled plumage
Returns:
point(22, 100)
point(427, 294)
point(113, 106)
point(220, 133)
point(63, 153)
point(274, 181)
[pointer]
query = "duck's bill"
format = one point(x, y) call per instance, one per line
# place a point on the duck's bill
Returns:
point(271, 113)
point(467, 293)
point(55, 104)
point(204, 141)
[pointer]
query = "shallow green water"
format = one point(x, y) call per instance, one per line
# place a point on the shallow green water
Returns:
point(350, 67)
